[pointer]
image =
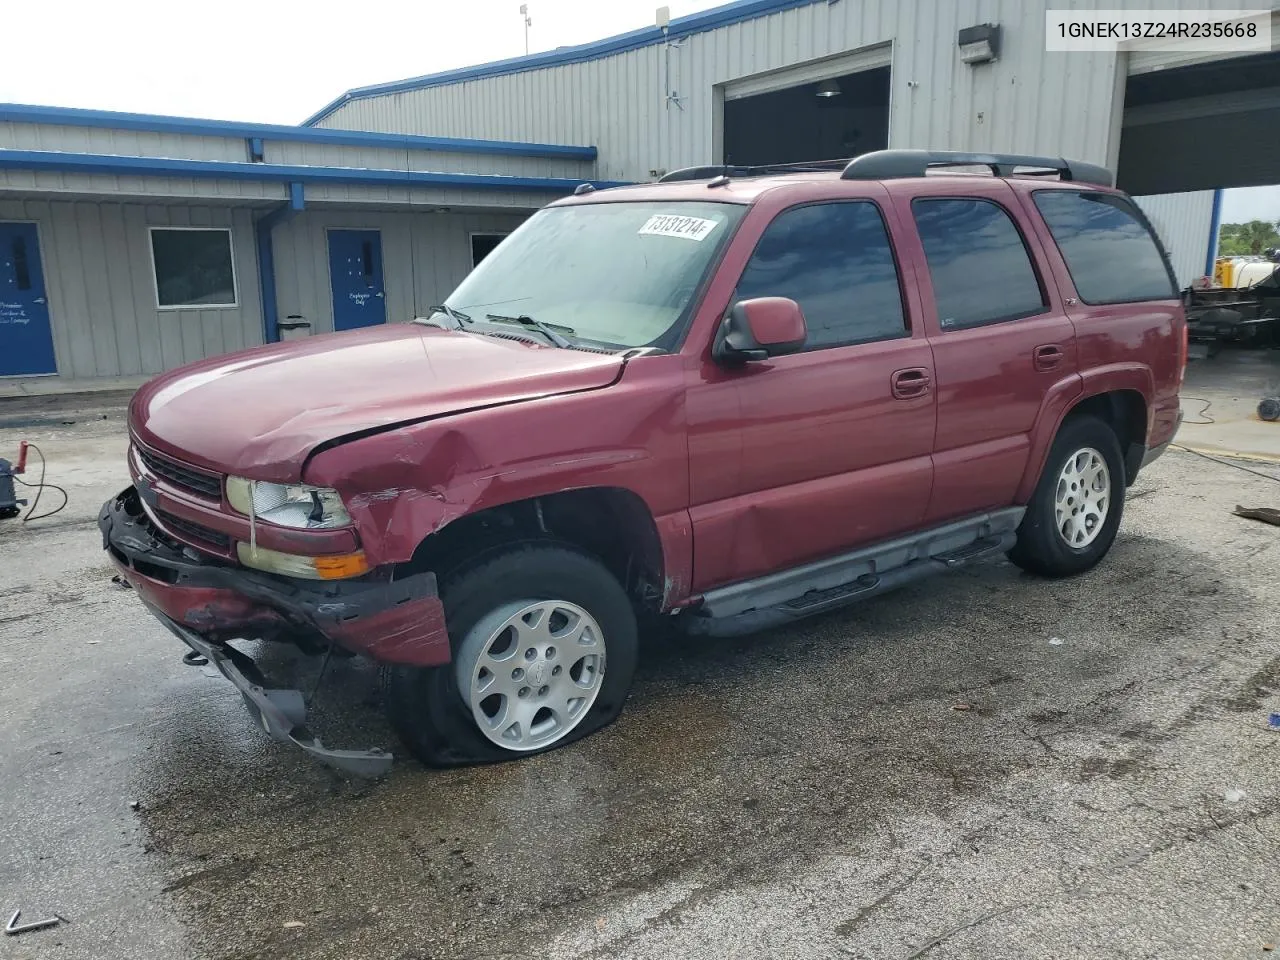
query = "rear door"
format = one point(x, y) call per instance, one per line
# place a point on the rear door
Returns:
point(809, 455)
point(1001, 342)
point(1122, 297)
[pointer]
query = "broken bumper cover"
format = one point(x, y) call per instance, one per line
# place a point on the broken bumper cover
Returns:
point(391, 621)
point(281, 713)
point(206, 602)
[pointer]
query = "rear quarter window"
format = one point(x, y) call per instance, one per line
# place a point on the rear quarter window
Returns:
point(1110, 251)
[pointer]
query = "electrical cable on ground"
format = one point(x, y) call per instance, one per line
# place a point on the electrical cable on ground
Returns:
point(1226, 463)
point(38, 487)
point(1202, 413)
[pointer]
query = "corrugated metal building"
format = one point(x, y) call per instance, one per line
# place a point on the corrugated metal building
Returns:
point(131, 244)
point(1184, 221)
point(655, 100)
point(385, 197)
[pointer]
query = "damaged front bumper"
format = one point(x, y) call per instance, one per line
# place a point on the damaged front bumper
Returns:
point(207, 602)
point(281, 713)
point(391, 621)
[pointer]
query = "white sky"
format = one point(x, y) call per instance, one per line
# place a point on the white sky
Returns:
point(1251, 203)
point(279, 61)
point(269, 60)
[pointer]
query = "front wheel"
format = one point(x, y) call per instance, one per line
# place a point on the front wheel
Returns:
point(1072, 518)
point(544, 648)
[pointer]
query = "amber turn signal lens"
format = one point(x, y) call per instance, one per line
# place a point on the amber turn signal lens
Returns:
point(307, 567)
point(341, 567)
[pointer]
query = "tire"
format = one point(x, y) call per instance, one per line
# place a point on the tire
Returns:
point(1043, 545)
point(430, 707)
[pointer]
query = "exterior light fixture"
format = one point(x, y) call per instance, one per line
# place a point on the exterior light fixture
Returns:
point(980, 44)
point(828, 88)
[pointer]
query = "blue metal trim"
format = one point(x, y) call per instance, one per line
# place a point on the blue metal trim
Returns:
point(1215, 227)
point(267, 260)
point(711, 19)
point(232, 170)
point(267, 284)
point(75, 117)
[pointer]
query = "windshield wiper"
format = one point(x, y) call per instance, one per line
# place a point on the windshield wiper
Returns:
point(457, 316)
point(538, 325)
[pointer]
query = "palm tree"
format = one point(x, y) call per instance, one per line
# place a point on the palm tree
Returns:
point(1237, 239)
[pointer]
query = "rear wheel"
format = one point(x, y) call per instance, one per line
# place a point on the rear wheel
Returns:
point(1072, 518)
point(544, 648)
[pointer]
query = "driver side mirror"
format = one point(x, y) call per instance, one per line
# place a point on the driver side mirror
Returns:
point(759, 329)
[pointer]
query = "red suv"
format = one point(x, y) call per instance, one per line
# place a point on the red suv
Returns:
point(735, 397)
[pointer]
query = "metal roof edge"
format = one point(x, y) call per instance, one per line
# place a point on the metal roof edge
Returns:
point(722, 16)
point(155, 123)
point(275, 172)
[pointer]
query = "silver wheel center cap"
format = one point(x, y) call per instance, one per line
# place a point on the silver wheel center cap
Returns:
point(537, 672)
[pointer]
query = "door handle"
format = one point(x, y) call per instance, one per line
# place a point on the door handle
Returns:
point(909, 384)
point(1047, 356)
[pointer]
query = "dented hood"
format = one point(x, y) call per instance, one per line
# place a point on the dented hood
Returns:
point(261, 412)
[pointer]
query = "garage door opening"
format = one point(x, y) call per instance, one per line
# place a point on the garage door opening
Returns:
point(1202, 127)
point(823, 120)
point(1193, 133)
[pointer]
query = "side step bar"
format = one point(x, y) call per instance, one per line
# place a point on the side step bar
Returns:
point(781, 598)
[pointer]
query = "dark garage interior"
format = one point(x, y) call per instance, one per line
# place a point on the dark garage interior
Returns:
point(836, 118)
point(1202, 127)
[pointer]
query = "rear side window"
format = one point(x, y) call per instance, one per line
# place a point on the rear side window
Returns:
point(833, 259)
point(1109, 249)
point(978, 263)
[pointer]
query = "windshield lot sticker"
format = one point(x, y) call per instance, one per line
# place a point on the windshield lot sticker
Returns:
point(669, 225)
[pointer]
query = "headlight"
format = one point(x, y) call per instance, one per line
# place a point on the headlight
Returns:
point(288, 505)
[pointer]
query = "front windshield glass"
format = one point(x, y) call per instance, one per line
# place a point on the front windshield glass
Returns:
point(618, 274)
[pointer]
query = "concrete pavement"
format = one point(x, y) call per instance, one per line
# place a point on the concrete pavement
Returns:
point(983, 766)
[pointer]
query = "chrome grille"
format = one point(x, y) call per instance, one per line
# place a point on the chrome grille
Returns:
point(194, 532)
point(184, 477)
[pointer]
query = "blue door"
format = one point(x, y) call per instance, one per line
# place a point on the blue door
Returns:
point(355, 273)
point(26, 341)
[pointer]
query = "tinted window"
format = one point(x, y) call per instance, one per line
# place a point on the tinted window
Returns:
point(979, 265)
point(483, 244)
point(1111, 254)
point(835, 261)
point(193, 267)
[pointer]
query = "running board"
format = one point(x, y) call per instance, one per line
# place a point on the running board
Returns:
point(780, 598)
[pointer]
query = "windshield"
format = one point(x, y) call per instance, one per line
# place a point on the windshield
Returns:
point(618, 274)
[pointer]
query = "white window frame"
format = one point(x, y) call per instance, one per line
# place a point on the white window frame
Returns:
point(811, 71)
point(155, 277)
point(471, 236)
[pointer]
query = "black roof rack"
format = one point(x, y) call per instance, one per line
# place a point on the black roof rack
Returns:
point(894, 164)
point(730, 170)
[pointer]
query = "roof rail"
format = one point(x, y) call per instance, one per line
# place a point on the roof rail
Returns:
point(895, 164)
point(729, 170)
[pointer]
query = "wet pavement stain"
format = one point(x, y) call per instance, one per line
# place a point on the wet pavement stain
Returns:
point(734, 762)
